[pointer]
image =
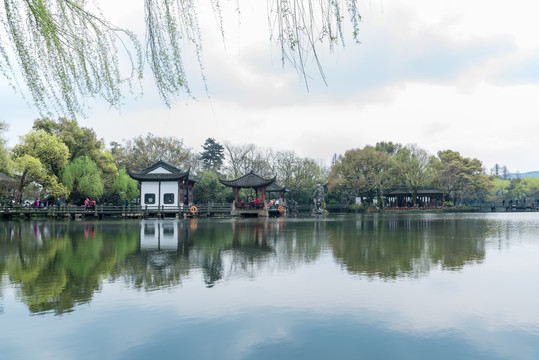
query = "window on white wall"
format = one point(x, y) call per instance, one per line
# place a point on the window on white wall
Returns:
point(168, 198)
point(149, 198)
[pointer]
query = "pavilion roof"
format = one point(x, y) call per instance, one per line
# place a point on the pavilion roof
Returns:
point(172, 174)
point(275, 188)
point(250, 180)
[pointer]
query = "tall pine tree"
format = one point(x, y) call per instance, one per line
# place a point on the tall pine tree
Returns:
point(213, 155)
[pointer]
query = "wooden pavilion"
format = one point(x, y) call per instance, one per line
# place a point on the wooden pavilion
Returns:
point(279, 207)
point(403, 198)
point(255, 207)
point(164, 186)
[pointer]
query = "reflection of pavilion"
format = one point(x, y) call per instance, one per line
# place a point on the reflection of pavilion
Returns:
point(158, 235)
point(174, 235)
point(170, 249)
point(162, 259)
point(164, 234)
point(250, 234)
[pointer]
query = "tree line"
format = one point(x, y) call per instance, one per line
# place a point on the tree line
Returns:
point(61, 159)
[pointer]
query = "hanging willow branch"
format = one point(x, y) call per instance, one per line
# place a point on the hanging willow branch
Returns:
point(300, 27)
point(63, 53)
point(169, 24)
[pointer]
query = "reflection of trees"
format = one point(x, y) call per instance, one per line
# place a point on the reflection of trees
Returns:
point(226, 249)
point(394, 246)
point(302, 242)
point(213, 247)
point(58, 265)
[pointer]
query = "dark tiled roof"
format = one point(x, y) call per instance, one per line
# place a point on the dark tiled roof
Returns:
point(174, 174)
point(165, 165)
point(250, 180)
point(156, 177)
point(275, 188)
point(195, 178)
point(419, 192)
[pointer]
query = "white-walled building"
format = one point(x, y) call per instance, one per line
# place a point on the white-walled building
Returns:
point(164, 185)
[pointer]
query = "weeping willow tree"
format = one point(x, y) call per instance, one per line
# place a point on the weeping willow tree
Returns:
point(61, 52)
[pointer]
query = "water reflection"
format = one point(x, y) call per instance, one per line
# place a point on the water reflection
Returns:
point(58, 265)
point(386, 287)
point(396, 246)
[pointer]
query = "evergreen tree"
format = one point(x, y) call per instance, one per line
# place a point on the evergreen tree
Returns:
point(213, 154)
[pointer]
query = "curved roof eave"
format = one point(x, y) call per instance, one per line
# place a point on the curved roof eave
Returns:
point(250, 180)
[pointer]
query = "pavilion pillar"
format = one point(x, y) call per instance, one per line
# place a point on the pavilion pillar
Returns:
point(263, 235)
point(236, 195)
point(180, 194)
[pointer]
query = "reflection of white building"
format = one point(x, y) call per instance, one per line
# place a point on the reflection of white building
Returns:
point(164, 185)
point(158, 235)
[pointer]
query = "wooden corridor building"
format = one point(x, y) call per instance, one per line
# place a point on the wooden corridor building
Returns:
point(403, 198)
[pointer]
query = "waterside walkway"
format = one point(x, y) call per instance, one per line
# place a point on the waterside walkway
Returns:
point(107, 211)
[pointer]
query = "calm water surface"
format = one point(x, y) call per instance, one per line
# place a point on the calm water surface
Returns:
point(341, 287)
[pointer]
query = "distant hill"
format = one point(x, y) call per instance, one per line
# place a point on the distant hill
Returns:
point(523, 175)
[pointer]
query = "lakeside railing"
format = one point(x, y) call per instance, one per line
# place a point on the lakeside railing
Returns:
point(209, 210)
point(112, 210)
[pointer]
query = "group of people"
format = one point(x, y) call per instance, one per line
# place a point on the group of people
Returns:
point(251, 203)
point(257, 203)
point(89, 204)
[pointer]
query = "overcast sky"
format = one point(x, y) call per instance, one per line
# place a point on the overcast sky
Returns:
point(460, 75)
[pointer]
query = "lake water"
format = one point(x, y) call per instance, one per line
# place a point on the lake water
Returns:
point(396, 286)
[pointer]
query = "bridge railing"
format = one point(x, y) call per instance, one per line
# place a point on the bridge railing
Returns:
point(213, 208)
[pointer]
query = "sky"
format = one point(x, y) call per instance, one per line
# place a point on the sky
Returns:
point(460, 75)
